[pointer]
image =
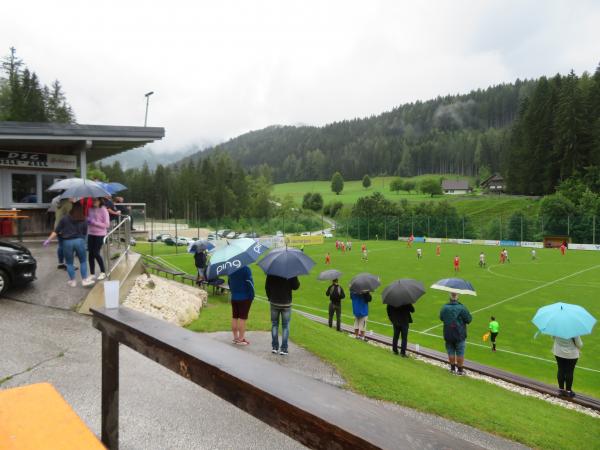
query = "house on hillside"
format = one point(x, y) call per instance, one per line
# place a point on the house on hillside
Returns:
point(494, 184)
point(456, 187)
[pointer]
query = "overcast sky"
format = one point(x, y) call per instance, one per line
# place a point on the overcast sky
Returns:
point(220, 68)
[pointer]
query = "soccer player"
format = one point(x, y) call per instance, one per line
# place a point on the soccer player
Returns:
point(533, 254)
point(410, 240)
point(501, 256)
point(456, 264)
point(419, 253)
point(365, 254)
point(343, 248)
point(563, 248)
point(438, 250)
point(482, 260)
point(494, 327)
point(327, 259)
point(506, 258)
point(349, 245)
point(363, 247)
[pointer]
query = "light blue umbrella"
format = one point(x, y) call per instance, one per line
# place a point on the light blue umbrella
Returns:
point(67, 183)
point(286, 263)
point(200, 245)
point(564, 320)
point(455, 285)
point(235, 255)
point(113, 187)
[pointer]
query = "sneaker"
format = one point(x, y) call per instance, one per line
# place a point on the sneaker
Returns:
point(403, 355)
point(460, 373)
point(72, 283)
point(274, 351)
point(101, 277)
point(283, 352)
point(562, 393)
point(62, 266)
point(89, 281)
point(570, 394)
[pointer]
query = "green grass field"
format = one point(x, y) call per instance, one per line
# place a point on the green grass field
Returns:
point(512, 292)
point(474, 206)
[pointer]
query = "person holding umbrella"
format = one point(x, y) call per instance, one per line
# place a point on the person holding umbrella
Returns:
point(98, 225)
point(456, 317)
point(241, 286)
point(282, 267)
point(399, 297)
point(73, 228)
point(566, 323)
point(361, 287)
point(336, 294)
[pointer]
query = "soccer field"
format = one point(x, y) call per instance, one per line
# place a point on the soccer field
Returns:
point(512, 292)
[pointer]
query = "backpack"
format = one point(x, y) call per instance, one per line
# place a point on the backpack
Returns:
point(455, 331)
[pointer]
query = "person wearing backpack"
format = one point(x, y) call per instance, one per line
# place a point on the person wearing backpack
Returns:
point(336, 294)
point(455, 316)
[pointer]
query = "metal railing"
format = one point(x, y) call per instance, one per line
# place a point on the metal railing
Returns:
point(120, 233)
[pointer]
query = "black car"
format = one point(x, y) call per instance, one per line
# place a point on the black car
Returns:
point(17, 265)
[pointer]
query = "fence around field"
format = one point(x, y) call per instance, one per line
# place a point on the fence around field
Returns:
point(580, 229)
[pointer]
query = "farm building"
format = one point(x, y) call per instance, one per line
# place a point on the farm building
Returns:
point(494, 183)
point(456, 187)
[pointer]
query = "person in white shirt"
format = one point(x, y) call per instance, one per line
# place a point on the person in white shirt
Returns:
point(482, 260)
point(419, 253)
point(533, 254)
point(566, 352)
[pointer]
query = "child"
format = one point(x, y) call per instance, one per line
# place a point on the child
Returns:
point(410, 240)
point(327, 259)
point(533, 254)
point(419, 253)
point(456, 264)
point(438, 250)
point(336, 294)
point(482, 260)
point(343, 248)
point(349, 245)
point(494, 327)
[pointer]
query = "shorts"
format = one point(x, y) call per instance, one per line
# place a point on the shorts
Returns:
point(360, 323)
point(455, 348)
point(240, 309)
point(493, 336)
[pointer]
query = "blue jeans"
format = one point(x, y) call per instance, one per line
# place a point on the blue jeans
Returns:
point(60, 252)
point(70, 248)
point(286, 315)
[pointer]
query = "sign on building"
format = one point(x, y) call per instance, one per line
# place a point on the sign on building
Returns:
point(16, 159)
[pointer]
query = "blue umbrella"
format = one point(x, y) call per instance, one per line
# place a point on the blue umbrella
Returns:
point(200, 245)
point(85, 189)
point(235, 255)
point(112, 187)
point(67, 183)
point(455, 285)
point(286, 263)
point(564, 320)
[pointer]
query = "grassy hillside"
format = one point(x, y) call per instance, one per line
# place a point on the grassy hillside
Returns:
point(476, 206)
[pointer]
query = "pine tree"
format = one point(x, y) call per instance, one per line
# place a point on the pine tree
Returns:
point(366, 181)
point(337, 183)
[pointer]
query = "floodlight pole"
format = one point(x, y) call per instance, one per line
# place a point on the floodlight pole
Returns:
point(594, 230)
point(147, 95)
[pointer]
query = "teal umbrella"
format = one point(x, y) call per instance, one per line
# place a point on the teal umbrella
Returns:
point(564, 320)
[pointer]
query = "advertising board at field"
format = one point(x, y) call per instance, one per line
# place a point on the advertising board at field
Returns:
point(489, 242)
point(584, 247)
point(478, 242)
point(419, 239)
point(434, 240)
point(510, 243)
point(532, 244)
point(296, 241)
point(272, 242)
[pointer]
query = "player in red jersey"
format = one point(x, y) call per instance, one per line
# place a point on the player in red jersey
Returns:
point(456, 264)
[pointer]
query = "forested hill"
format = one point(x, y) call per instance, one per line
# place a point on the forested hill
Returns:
point(464, 134)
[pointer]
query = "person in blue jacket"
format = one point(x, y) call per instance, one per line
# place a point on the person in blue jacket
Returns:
point(360, 309)
point(241, 286)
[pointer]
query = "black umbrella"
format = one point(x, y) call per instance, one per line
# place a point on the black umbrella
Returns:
point(403, 292)
point(286, 263)
point(330, 274)
point(364, 282)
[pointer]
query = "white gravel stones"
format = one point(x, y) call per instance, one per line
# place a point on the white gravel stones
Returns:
point(507, 386)
point(167, 301)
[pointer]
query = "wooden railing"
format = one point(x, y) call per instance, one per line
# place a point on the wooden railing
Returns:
point(314, 413)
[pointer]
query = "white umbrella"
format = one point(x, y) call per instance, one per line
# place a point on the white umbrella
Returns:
point(68, 183)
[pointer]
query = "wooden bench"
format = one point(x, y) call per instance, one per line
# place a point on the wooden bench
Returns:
point(316, 414)
point(36, 416)
point(165, 270)
point(14, 215)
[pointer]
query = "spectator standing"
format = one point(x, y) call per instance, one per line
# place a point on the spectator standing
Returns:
point(336, 294)
point(401, 318)
point(455, 317)
point(113, 212)
point(241, 286)
point(200, 260)
point(360, 309)
point(125, 210)
point(98, 225)
point(566, 352)
point(63, 207)
point(279, 292)
point(72, 228)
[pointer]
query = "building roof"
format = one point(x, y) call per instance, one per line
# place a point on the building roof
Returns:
point(106, 140)
point(455, 185)
point(497, 178)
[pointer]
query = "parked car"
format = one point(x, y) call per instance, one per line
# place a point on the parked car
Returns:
point(181, 240)
point(279, 234)
point(230, 235)
point(327, 235)
point(17, 265)
point(212, 237)
point(159, 237)
point(169, 241)
point(306, 233)
point(223, 233)
point(242, 235)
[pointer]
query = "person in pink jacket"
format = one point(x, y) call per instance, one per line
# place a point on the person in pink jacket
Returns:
point(98, 225)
